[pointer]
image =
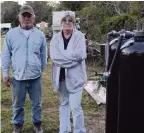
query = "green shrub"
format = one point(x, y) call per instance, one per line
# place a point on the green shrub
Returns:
point(124, 21)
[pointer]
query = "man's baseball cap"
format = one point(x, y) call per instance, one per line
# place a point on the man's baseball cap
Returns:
point(26, 8)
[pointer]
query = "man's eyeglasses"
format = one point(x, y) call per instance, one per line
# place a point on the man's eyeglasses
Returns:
point(67, 20)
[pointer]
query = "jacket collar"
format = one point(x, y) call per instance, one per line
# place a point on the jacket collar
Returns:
point(71, 41)
point(20, 29)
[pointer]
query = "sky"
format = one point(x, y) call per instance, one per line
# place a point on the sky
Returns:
point(21, 2)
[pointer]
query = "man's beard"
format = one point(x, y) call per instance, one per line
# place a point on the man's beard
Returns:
point(26, 27)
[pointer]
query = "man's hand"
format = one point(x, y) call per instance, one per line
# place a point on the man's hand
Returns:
point(7, 81)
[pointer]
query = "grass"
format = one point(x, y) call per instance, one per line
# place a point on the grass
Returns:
point(50, 107)
point(1, 43)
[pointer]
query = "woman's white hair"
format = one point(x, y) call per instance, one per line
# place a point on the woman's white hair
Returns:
point(70, 14)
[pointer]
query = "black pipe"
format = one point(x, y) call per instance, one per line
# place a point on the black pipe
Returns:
point(112, 94)
point(116, 55)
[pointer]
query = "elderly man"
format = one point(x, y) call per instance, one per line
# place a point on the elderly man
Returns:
point(68, 53)
point(25, 51)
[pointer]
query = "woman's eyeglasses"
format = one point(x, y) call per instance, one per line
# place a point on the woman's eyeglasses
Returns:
point(67, 20)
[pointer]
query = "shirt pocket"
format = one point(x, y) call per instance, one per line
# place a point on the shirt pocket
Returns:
point(36, 47)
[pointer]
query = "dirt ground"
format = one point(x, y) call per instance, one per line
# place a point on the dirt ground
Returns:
point(96, 124)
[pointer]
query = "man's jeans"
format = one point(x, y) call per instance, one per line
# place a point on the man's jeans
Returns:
point(19, 90)
point(70, 101)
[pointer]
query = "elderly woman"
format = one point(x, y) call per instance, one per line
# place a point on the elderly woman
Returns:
point(68, 53)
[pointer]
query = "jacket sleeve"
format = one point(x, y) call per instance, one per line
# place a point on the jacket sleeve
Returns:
point(6, 56)
point(79, 53)
point(57, 57)
point(43, 53)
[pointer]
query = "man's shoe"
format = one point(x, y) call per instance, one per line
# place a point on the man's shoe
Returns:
point(38, 129)
point(17, 129)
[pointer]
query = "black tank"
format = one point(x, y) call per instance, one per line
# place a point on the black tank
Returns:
point(131, 86)
point(112, 90)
